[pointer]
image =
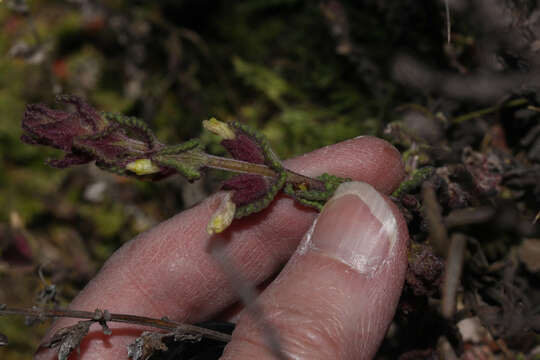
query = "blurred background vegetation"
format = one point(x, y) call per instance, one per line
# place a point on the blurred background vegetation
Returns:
point(307, 73)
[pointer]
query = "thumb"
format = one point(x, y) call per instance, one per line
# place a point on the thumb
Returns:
point(338, 293)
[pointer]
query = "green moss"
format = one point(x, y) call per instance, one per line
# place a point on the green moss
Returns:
point(25, 190)
point(108, 219)
point(265, 80)
point(111, 100)
point(170, 121)
point(22, 340)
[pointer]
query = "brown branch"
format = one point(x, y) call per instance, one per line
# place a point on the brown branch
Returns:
point(432, 212)
point(163, 324)
point(452, 274)
point(468, 216)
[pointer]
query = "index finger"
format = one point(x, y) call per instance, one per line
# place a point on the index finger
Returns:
point(167, 271)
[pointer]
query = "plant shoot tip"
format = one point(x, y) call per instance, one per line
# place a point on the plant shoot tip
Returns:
point(219, 128)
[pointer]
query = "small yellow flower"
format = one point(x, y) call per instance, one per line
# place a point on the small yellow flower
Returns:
point(143, 167)
point(219, 128)
point(223, 216)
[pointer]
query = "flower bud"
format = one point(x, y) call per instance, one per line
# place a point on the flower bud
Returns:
point(143, 167)
point(223, 216)
point(219, 128)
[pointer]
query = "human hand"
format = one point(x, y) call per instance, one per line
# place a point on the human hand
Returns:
point(334, 299)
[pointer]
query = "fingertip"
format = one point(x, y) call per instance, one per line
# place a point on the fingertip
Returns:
point(366, 237)
point(384, 162)
point(364, 158)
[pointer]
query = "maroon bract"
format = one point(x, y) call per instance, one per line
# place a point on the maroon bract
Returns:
point(246, 147)
point(86, 135)
point(59, 129)
point(247, 188)
point(243, 147)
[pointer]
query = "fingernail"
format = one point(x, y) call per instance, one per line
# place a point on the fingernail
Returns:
point(356, 227)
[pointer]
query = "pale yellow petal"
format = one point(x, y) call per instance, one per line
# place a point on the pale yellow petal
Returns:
point(223, 217)
point(143, 167)
point(219, 128)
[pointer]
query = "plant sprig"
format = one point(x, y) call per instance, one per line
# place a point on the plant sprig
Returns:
point(126, 146)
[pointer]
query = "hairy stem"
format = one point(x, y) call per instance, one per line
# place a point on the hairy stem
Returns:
point(163, 324)
point(222, 163)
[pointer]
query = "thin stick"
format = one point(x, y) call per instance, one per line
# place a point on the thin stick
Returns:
point(438, 235)
point(120, 318)
point(452, 275)
point(248, 296)
point(467, 216)
point(448, 24)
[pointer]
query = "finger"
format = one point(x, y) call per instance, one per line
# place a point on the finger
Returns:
point(167, 271)
point(337, 295)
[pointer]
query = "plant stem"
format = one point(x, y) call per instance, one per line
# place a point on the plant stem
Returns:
point(238, 166)
point(164, 324)
point(478, 113)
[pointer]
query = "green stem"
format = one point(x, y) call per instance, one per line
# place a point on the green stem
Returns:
point(475, 114)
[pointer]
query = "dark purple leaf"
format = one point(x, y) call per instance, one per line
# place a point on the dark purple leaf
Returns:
point(85, 135)
point(243, 147)
point(247, 188)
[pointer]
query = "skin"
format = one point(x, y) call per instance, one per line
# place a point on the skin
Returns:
point(168, 271)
